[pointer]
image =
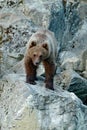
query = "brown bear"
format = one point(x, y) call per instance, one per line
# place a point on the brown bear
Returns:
point(42, 47)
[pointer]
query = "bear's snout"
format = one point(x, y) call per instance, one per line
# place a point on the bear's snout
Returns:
point(36, 62)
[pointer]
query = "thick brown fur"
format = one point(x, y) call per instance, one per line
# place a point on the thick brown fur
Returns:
point(42, 47)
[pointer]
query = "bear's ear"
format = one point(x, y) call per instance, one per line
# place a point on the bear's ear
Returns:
point(45, 45)
point(33, 43)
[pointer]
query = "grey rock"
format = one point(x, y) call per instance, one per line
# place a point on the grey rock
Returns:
point(24, 106)
point(73, 82)
point(78, 85)
point(65, 21)
point(14, 49)
point(69, 28)
point(75, 60)
point(70, 60)
point(37, 11)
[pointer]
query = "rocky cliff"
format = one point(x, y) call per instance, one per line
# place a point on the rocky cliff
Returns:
point(24, 106)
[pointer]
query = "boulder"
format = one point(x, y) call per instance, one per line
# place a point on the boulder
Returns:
point(29, 107)
point(73, 82)
point(70, 60)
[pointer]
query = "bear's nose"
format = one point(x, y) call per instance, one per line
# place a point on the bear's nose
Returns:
point(37, 63)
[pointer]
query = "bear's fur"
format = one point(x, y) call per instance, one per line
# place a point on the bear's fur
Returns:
point(42, 47)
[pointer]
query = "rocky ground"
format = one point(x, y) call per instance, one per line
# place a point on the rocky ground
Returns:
point(24, 106)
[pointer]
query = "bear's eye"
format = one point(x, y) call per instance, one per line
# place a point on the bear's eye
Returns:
point(40, 56)
point(34, 55)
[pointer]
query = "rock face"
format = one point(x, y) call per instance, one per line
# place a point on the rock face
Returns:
point(73, 82)
point(23, 106)
point(36, 108)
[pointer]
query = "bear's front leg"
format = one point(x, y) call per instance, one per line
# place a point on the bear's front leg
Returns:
point(30, 71)
point(49, 71)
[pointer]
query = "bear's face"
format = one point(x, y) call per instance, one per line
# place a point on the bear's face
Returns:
point(38, 53)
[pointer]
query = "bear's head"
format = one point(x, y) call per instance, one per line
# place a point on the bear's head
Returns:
point(38, 52)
